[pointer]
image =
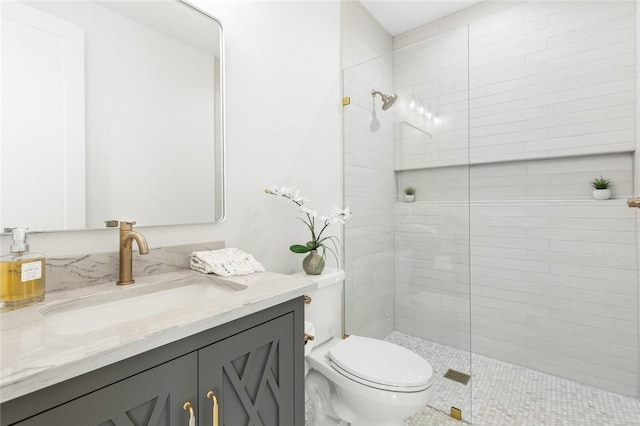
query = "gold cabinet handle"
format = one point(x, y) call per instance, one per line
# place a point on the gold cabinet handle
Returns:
point(308, 337)
point(192, 417)
point(214, 412)
point(307, 299)
point(633, 202)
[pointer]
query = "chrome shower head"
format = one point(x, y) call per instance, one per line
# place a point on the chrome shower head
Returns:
point(387, 100)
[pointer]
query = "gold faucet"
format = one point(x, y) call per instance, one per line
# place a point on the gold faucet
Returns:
point(127, 236)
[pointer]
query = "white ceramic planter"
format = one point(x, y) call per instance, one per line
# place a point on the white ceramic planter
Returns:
point(601, 194)
point(409, 198)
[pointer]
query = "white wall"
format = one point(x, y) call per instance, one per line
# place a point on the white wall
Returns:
point(368, 174)
point(283, 126)
point(553, 274)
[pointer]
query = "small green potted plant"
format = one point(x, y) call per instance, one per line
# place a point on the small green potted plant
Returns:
point(409, 194)
point(601, 189)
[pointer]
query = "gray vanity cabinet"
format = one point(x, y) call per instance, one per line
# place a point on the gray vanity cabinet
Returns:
point(254, 366)
point(251, 377)
point(154, 397)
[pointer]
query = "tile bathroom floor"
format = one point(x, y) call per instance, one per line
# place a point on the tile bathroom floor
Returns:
point(429, 417)
point(505, 394)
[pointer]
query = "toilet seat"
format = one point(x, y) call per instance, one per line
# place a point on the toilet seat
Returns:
point(380, 364)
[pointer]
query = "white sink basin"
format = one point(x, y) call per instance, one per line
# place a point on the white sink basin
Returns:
point(130, 304)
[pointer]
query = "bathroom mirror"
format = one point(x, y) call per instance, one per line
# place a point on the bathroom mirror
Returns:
point(110, 110)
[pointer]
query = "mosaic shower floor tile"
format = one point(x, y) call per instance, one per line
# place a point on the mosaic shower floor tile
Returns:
point(504, 394)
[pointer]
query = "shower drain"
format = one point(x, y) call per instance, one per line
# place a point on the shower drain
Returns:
point(457, 376)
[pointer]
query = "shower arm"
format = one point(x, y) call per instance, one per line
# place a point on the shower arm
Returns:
point(387, 100)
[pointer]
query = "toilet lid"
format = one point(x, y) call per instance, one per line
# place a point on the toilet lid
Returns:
point(381, 364)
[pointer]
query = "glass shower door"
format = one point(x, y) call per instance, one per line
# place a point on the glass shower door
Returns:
point(407, 261)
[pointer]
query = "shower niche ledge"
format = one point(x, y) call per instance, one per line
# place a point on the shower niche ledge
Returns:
point(463, 159)
point(564, 178)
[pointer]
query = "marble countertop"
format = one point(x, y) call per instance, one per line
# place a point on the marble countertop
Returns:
point(36, 353)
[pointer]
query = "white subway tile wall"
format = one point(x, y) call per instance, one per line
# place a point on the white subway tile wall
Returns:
point(562, 277)
point(369, 182)
point(553, 284)
point(432, 111)
point(432, 271)
point(544, 80)
point(559, 77)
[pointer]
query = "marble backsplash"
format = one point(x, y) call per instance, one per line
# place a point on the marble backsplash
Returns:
point(69, 272)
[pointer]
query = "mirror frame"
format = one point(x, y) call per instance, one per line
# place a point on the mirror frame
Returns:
point(222, 173)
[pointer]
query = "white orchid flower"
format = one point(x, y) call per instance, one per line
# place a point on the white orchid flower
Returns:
point(318, 241)
point(346, 213)
point(308, 211)
point(339, 215)
point(285, 192)
point(299, 199)
point(274, 189)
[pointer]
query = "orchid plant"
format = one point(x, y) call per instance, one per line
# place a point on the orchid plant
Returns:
point(311, 219)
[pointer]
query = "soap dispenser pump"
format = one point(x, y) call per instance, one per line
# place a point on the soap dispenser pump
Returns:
point(21, 274)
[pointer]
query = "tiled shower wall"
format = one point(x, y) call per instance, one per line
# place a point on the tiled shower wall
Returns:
point(545, 80)
point(432, 112)
point(553, 273)
point(552, 79)
point(369, 184)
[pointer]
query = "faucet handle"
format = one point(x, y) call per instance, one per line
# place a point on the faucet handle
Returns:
point(124, 224)
point(127, 225)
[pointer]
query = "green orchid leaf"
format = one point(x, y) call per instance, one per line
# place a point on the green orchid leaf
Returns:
point(297, 248)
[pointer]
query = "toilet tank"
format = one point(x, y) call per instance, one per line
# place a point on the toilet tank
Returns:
point(325, 309)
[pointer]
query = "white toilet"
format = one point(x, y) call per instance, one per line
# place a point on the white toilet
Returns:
point(358, 380)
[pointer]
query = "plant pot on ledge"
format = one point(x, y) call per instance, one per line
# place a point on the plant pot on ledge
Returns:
point(601, 194)
point(601, 189)
point(409, 194)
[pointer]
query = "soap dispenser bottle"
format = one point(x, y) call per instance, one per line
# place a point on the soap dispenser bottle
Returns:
point(21, 274)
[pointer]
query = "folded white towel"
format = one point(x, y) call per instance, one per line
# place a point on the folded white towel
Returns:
point(224, 262)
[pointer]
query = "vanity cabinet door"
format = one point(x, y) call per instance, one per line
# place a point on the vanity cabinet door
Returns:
point(153, 397)
point(252, 376)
